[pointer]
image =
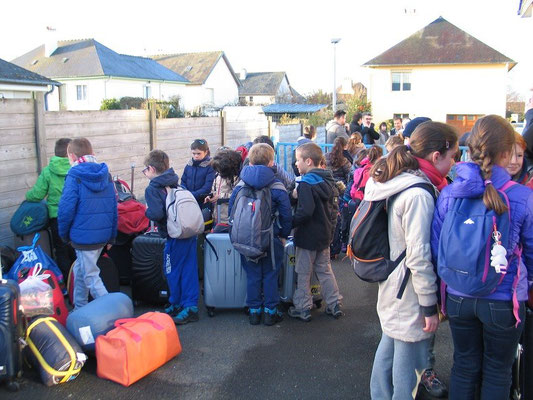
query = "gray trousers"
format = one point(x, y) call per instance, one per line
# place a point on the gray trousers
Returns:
point(87, 277)
point(308, 261)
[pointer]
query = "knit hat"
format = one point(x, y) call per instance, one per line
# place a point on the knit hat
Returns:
point(411, 125)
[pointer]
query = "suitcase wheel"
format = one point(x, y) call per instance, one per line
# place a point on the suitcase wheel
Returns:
point(13, 386)
point(211, 311)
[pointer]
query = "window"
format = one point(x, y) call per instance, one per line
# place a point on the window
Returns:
point(251, 100)
point(81, 92)
point(451, 117)
point(400, 115)
point(470, 117)
point(147, 92)
point(401, 81)
point(460, 117)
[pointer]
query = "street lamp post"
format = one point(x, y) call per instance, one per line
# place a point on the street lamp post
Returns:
point(335, 41)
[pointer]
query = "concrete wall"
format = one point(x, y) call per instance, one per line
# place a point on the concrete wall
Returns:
point(440, 90)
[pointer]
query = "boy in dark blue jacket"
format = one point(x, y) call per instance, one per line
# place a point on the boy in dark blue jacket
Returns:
point(87, 217)
point(179, 254)
point(262, 276)
point(198, 175)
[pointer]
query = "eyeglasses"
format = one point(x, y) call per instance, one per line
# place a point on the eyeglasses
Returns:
point(145, 170)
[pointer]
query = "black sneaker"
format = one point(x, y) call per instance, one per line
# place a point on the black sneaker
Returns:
point(433, 385)
point(304, 315)
point(335, 311)
point(272, 316)
point(254, 314)
point(186, 315)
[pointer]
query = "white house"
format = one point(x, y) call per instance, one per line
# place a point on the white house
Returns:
point(19, 83)
point(264, 88)
point(212, 81)
point(440, 72)
point(90, 72)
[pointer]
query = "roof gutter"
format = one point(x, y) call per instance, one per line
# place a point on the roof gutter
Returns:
point(47, 93)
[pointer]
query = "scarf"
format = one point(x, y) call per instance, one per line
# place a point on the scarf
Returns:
point(87, 158)
point(432, 173)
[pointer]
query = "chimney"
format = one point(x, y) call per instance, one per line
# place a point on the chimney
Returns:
point(242, 75)
point(50, 44)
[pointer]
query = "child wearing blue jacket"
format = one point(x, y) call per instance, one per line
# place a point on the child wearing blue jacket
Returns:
point(87, 217)
point(180, 254)
point(486, 329)
point(262, 276)
point(198, 175)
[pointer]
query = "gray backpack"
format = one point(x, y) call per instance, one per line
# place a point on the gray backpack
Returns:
point(252, 221)
point(184, 217)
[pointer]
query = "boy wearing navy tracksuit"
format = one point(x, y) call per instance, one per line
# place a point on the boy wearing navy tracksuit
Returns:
point(87, 217)
point(262, 276)
point(179, 258)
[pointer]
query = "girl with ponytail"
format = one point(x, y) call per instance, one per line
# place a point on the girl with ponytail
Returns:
point(486, 330)
point(408, 179)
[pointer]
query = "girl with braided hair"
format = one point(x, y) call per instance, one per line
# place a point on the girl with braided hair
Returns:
point(486, 330)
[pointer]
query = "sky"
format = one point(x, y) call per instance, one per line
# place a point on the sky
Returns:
point(276, 35)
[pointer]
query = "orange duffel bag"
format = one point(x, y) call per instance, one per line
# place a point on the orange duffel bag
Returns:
point(136, 347)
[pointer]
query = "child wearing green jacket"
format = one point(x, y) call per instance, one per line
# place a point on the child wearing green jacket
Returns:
point(49, 185)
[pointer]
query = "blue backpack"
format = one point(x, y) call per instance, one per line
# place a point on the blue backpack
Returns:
point(465, 245)
point(29, 218)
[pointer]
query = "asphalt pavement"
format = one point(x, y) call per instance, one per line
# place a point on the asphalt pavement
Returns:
point(225, 357)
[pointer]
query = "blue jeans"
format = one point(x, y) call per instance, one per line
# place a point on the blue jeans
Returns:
point(485, 341)
point(181, 269)
point(397, 368)
point(87, 277)
point(262, 279)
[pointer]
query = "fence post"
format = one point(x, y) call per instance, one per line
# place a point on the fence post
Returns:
point(153, 127)
point(223, 128)
point(301, 128)
point(270, 126)
point(40, 131)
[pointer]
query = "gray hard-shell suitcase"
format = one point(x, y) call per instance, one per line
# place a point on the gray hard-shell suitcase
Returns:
point(224, 278)
point(288, 278)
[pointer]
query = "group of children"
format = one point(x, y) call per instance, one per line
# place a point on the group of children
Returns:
point(485, 328)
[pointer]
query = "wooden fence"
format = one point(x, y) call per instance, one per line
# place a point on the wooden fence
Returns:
point(120, 138)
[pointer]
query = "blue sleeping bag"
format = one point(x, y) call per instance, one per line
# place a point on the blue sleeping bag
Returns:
point(98, 317)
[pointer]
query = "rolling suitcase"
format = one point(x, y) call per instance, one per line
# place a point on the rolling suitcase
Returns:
point(148, 280)
point(10, 333)
point(224, 278)
point(522, 384)
point(121, 256)
point(288, 278)
point(108, 273)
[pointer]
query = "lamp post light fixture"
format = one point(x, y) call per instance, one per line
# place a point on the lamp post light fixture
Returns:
point(334, 105)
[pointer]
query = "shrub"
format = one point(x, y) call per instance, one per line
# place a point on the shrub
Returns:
point(132, 103)
point(110, 104)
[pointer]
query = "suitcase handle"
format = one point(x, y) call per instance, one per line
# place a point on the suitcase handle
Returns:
point(136, 336)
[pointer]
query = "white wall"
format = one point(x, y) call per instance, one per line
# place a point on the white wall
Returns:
point(105, 88)
point(223, 85)
point(440, 90)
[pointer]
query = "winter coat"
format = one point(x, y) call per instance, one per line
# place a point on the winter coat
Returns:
point(355, 127)
point(409, 222)
point(223, 188)
point(50, 184)
point(470, 184)
point(339, 174)
point(280, 174)
point(87, 214)
point(316, 213)
point(155, 195)
point(198, 177)
point(258, 177)
point(369, 134)
point(383, 137)
point(334, 130)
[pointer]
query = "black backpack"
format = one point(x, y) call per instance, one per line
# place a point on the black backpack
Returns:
point(368, 246)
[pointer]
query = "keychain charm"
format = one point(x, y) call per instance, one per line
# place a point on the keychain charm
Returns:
point(498, 253)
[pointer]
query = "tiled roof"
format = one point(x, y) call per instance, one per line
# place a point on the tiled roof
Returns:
point(292, 108)
point(261, 84)
point(440, 42)
point(11, 73)
point(196, 67)
point(85, 58)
